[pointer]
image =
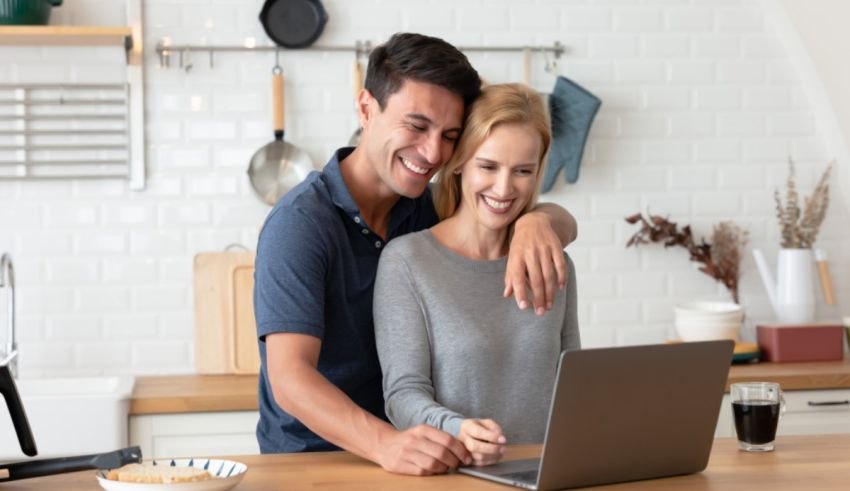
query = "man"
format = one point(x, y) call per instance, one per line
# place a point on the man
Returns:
point(320, 382)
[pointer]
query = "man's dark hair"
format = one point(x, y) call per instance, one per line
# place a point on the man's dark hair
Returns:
point(423, 59)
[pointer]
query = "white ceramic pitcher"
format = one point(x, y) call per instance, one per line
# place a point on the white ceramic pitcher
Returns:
point(792, 294)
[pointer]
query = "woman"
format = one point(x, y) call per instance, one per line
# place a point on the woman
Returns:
point(452, 349)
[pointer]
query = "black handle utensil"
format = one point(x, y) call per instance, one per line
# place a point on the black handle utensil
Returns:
point(16, 410)
point(61, 465)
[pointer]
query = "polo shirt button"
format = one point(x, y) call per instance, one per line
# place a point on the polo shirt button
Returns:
point(378, 244)
point(365, 231)
point(356, 219)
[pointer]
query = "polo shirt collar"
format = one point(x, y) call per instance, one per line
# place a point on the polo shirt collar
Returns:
point(341, 196)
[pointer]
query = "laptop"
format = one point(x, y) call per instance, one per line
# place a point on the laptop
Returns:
point(625, 414)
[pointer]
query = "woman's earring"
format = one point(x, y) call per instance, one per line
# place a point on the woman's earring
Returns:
point(456, 171)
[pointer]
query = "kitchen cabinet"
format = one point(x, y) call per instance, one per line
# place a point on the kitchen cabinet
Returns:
point(807, 412)
point(195, 434)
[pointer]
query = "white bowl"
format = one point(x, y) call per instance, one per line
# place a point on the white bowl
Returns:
point(706, 332)
point(704, 321)
point(708, 323)
point(702, 313)
point(708, 308)
point(708, 314)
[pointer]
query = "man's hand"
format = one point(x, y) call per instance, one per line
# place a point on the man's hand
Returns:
point(421, 451)
point(484, 440)
point(535, 260)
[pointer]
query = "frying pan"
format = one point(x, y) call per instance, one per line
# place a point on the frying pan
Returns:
point(293, 23)
point(46, 467)
point(357, 79)
point(279, 165)
point(61, 465)
point(16, 410)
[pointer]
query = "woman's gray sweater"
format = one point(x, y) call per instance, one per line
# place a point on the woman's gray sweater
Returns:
point(452, 348)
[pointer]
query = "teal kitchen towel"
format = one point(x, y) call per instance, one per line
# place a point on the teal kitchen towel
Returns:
point(571, 109)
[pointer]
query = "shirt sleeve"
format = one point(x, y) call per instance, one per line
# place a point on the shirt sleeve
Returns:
point(404, 350)
point(289, 275)
point(570, 338)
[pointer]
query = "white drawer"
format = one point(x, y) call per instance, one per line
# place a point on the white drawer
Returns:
point(195, 434)
point(809, 412)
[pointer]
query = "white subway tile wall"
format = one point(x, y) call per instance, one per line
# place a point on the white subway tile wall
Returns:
point(701, 109)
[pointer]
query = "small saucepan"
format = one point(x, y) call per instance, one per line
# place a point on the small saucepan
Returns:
point(279, 165)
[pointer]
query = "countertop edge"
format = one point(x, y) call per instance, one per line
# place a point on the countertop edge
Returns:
point(176, 394)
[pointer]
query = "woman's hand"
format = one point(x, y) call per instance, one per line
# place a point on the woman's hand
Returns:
point(484, 440)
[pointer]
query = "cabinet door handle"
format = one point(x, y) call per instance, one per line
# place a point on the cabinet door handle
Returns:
point(830, 403)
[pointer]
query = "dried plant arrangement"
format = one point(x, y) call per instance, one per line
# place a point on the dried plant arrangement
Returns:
point(720, 259)
point(799, 229)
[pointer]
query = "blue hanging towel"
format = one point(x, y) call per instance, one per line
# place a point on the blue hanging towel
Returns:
point(571, 109)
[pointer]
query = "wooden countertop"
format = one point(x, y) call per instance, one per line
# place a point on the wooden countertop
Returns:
point(194, 393)
point(799, 462)
point(202, 393)
point(795, 376)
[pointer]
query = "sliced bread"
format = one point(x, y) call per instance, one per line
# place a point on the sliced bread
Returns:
point(149, 473)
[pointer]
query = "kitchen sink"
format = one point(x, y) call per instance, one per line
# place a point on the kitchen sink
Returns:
point(70, 416)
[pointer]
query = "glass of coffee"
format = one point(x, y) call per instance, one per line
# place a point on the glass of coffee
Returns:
point(756, 407)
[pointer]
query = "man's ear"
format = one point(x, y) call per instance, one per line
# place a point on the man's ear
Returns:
point(365, 105)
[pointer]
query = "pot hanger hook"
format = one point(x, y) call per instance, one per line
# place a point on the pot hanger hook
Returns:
point(188, 60)
point(277, 69)
point(551, 66)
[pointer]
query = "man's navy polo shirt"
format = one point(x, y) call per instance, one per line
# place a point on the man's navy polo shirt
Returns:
point(315, 272)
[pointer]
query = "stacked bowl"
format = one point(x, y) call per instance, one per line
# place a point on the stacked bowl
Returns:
point(705, 321)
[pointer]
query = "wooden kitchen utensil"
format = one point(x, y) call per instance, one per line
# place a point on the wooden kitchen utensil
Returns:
point(225, 331)
point(825, 277)
point(526, 67)
point(357, 82)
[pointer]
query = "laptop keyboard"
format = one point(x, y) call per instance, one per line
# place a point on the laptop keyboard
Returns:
point(523, 476)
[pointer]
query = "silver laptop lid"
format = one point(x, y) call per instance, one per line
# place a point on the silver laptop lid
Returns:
point(639, 412)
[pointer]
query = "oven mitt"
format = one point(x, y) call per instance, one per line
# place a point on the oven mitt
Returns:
point(571, 109)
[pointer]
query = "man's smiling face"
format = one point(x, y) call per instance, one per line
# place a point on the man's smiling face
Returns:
point(413, 136)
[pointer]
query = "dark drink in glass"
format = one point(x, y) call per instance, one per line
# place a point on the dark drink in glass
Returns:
point(756, 407)
point(756, 420)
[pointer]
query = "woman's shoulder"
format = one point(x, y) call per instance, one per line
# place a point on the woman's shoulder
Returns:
point(408, 254)
point(411, 243)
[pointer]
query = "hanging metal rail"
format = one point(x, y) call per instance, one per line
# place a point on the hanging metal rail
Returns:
point(165, 50)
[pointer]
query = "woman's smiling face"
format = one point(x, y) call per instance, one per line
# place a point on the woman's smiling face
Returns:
point(499, 180)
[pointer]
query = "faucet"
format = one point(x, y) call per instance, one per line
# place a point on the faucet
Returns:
point(7, 279)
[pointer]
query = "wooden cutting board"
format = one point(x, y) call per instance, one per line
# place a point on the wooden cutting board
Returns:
point(225, 330)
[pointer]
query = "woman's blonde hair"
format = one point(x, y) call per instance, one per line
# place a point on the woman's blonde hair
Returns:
point(497, 105)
